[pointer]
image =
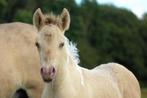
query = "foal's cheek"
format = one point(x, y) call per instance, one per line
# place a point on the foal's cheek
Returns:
point(63, 59)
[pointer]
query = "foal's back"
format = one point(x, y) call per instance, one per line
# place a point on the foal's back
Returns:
point(18, 68)
point(112, 80)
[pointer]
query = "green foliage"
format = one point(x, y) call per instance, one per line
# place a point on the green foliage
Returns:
point(23, 15)
point(143, 92)
point(104, 33)
point(88, 54)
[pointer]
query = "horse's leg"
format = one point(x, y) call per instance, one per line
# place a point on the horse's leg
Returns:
point(7, 88)
point(35, 88)
point(5, 92)
point(34, 92)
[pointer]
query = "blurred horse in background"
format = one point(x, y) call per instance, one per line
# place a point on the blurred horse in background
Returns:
point(19, 72)
point(60, 71)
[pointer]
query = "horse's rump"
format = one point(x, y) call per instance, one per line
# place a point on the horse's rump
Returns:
point(17, 65)
point(125, 80)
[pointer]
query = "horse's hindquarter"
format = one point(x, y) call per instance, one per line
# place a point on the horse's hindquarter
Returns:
point(127, 82)
point(9, 78)
point(115, 81)
point(19, 58)
point(99, 84)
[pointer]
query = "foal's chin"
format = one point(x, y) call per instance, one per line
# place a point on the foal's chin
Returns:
point(47, 80)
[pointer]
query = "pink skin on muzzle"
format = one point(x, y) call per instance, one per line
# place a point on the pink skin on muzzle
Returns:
point(48, 73)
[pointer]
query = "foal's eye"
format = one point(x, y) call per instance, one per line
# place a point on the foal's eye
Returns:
point(61, 45)
point(37, 45)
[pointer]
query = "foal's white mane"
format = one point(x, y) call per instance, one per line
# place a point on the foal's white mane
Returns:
point(72, 50)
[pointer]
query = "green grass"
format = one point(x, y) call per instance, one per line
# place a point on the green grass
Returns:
point(144, 93)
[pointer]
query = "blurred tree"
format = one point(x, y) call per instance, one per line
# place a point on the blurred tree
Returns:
point(23, 15)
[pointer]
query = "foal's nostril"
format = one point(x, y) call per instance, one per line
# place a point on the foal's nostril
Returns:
point(41, 70)
point(50, 70)
point(53, 70)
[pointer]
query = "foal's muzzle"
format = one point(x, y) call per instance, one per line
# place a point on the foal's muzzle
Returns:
point(48, 73)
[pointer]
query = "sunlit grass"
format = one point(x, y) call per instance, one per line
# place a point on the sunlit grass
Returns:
point(144, 93)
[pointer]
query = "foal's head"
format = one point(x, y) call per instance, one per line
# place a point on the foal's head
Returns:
point(51, 41)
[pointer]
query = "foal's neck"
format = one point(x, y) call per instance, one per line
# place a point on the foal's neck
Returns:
point(67, 74)
point(66, 82)
point(66, 71)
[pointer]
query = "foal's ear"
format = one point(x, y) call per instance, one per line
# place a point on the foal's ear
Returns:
point(65, 18)
point(38, 18)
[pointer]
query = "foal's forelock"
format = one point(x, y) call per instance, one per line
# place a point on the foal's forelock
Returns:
point(52, 19)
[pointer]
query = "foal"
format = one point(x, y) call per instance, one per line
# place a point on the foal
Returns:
point(60, 71)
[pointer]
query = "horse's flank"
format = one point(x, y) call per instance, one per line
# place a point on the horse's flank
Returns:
point(17, 66)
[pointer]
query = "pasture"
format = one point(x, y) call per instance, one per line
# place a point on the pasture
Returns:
point(144, 92)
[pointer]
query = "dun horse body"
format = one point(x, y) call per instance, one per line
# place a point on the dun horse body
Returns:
point(19, 76)
point(60, 71)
